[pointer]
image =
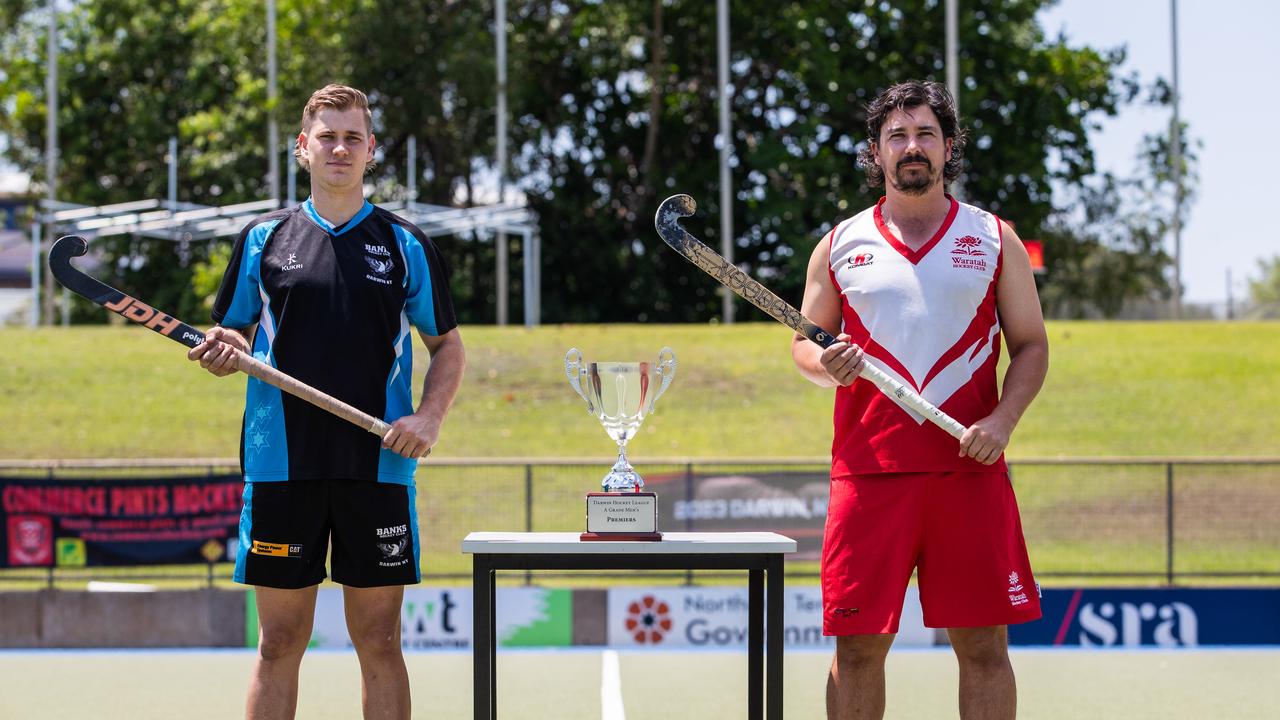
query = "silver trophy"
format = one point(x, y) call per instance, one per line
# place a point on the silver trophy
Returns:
point(620, 395)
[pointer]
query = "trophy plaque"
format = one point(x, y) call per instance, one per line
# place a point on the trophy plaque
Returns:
point(620, 395)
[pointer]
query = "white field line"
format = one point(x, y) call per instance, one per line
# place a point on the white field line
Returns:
point(611, 687)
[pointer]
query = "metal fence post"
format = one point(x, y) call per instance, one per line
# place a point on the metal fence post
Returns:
point(528, 511)
point(1168, 491)
point(688, 516)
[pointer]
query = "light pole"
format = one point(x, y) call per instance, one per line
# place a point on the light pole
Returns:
point(1175, 154)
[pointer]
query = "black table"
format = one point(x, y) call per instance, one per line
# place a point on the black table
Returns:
point(759, 553)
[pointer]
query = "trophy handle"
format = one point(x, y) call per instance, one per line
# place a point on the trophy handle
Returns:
point(573, 369)
point(666, 369)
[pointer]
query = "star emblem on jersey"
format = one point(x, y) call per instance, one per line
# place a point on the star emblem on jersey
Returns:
point(255, 435)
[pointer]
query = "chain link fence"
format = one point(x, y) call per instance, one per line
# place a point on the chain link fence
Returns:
point(1133, 519)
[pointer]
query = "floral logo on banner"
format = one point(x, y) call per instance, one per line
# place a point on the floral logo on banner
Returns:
point(648, 620)
point(967, 245)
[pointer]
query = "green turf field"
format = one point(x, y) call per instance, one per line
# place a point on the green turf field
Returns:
point(1114, 389)
point(1052, 685)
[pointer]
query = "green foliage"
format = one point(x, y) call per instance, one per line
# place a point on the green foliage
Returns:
point(1264, 292)
point(613, 107)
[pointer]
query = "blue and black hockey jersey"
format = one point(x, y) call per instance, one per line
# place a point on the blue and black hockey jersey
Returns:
point(334, 308)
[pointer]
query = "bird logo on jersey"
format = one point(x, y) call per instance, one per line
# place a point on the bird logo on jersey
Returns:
point(394, 549)
point(382, 267)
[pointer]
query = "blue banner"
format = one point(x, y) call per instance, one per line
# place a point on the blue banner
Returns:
point(1175, 617)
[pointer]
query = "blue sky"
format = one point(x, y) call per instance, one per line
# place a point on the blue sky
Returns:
point(1225, 48)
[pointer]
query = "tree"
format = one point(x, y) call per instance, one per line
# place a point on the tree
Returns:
point(1105, 249)
point(596, 78)
point(1264, 292)
point(613, 104)
point(132, 74)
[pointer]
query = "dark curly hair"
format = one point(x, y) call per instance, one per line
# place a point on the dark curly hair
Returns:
point(904, 96)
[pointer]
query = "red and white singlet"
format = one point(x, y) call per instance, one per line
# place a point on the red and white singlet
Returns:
point(928, 319)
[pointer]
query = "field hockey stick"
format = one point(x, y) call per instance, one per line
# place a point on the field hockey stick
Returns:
point(137, 311)
point(729, 275)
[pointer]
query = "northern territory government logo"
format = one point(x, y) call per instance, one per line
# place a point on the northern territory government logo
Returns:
point(968, 254)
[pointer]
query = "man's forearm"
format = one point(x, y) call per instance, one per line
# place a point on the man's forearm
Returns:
point(1022, 381)
point(444, 377)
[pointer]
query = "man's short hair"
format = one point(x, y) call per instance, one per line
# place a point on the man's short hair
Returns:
point(333, 97)
point(905, 96)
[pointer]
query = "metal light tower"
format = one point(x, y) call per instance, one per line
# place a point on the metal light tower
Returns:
point(726, 149)
point(50, 154)
point(273, 132)
point(1175, 154)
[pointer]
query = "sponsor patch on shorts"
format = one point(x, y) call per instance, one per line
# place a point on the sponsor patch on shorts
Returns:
point(275, 549)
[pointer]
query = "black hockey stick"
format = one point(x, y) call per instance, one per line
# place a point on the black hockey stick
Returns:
point(137, 311)
point(711, 262)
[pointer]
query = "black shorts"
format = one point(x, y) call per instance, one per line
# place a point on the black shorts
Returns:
point(285, 529)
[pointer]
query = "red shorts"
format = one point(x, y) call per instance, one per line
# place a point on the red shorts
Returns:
point(960, 530)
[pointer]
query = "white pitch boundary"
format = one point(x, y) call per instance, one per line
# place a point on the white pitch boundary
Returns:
point(611, 687)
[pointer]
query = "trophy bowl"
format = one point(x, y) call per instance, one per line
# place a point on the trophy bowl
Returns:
point(620, 395)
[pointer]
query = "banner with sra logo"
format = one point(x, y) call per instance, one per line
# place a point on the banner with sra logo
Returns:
point(717, 617)
point(1109, 617)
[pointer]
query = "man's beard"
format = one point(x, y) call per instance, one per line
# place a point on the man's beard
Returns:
point(918, 183)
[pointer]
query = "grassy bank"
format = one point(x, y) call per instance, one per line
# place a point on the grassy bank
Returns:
point(1143, 389)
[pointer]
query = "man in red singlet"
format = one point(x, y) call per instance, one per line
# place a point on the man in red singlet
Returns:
point(924, 287)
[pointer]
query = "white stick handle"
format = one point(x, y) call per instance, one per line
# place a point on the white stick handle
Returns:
point(910, 398)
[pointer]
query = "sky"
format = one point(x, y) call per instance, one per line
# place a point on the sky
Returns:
point(1224, 47)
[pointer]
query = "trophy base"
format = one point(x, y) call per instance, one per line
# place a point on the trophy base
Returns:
point(622, 516)
point(640, 537)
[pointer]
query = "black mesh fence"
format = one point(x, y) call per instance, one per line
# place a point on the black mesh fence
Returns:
point(1151, 520)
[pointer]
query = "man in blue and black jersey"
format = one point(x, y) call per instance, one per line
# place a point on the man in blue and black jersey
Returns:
point(329, 292)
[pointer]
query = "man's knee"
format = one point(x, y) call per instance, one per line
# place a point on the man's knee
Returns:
point(282, 641)
point(982, 646)
point(856, 651)
point(376, 634)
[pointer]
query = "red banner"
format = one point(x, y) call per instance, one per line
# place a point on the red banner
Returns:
point(79, 522)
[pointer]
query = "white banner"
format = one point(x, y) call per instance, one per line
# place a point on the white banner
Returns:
point(717, 617)
point(441, 618)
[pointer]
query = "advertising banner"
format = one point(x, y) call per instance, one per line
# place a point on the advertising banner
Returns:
point(78, 523)
point(717, 617)
point(790, 502)
point(434, 618)
point(1175, 617)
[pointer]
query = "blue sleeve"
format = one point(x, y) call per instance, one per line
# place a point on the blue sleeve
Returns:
point(428, 304)
point(239, 301)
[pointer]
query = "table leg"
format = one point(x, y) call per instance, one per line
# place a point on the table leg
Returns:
point(755, 645)
point(482, 653)
point(774, 628)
